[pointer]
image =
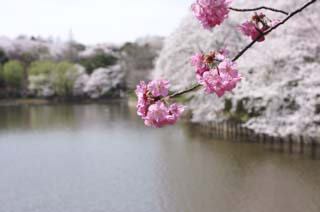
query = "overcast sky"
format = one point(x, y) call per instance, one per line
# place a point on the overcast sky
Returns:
point(92, 21)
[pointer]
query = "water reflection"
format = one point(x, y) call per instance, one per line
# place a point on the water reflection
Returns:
point(101, 158)
point(51, 117)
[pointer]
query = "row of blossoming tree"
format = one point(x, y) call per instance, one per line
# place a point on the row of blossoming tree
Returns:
point(215, 71)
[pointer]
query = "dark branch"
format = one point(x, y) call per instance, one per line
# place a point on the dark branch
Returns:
point(259, 8)
point(185, 91)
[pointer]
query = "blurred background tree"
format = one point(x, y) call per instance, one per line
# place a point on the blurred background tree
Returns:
point(39, 78)
point(137, 59)
point(98, 60)
point(3, 57)
point(12, 75)
point(2, 83)
point(41, 67)
point(63, 79)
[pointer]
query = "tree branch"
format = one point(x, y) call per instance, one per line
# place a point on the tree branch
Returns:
point(259, 8)
point(252, 43)
point(185, 91)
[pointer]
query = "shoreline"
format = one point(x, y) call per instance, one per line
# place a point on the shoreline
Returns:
point(39, 101)
point(292, 144)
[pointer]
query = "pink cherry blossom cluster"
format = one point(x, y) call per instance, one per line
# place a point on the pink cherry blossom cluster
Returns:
point(216, 72)
point(152, 105)
point(259, 24)
point(211, 13)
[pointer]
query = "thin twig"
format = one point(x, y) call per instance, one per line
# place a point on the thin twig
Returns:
point(251, 44)
point(259, 8)
point(273, 28)
point(185, 91)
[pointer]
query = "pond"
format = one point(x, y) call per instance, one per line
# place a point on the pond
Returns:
point(101, 158)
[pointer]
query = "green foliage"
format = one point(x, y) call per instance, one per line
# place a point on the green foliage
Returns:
point(28, 57)
point(127, 46)
point(183, 99)
point(41, 67)
point(241, 114)
point(1, 72)
point(141, 55)
point(100, 59)
point(3, 57)
point(13, 73)
point(64, 76)
point(78, 46)
point(2, 83)
point(227, 105)
point(60, 76)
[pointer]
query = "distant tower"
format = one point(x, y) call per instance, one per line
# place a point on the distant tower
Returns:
point(70, 36)
point(71, 53)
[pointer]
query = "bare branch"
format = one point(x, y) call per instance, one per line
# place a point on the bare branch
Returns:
point(259, 8)
point(185, 91)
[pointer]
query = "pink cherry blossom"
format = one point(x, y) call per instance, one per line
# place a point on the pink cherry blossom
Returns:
point(198, 60)
point(247, 28)
point(143, 101)
point(250, 29)
point(259, 24)
point(175, 110)
point(229, 73)
point(204, 63)
point(157, 115)
point(221, 79)
point(213, 82)
point(211, 13)
point(159, 87)
point(227, 67)
point(141, 89)
point(222, 54)
point(160, 115)
point(155, 111)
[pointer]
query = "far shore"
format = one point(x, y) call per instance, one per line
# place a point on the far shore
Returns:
point(38, 101)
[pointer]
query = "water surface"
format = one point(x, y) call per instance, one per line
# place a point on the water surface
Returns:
point(100, 158)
